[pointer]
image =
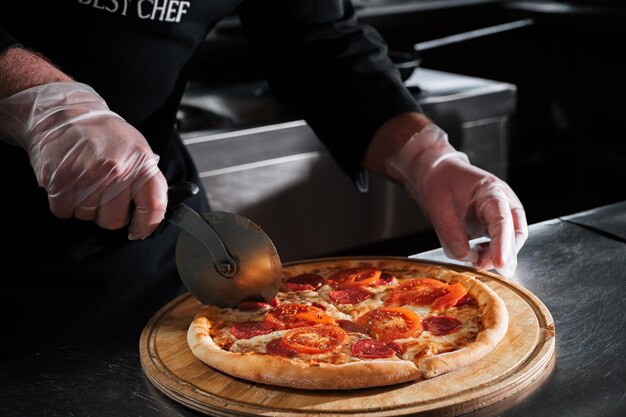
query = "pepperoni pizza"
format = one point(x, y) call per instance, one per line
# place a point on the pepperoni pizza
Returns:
point(353, 323)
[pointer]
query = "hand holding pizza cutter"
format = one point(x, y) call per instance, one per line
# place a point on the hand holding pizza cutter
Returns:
point(222, 258)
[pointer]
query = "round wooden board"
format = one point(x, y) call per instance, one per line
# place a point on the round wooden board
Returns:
point(518, 364)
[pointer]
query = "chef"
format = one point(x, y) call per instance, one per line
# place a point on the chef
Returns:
point(89, 91)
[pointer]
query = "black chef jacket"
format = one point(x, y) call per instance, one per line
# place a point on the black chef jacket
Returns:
point(73, 280)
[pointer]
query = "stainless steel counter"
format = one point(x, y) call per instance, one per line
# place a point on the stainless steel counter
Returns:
point(579, 273)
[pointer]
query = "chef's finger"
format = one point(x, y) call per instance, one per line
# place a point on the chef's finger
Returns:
point(87, 208)
point(113, 214)
point(497, 215)
point(83, 190)
point(521, 227)
point(150, 204)
point(484, 260)
point(86, 212)
point(451, 232)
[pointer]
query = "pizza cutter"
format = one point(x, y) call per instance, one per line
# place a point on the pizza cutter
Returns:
point(222, 258)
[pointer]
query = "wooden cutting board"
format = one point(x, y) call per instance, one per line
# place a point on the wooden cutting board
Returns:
point(520, 362)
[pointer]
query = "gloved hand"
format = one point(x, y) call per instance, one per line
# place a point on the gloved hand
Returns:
point(462, 201)
point(90, 161)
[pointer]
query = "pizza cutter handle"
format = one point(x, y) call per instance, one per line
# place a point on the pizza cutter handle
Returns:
point(191, 222)
point(177, 194)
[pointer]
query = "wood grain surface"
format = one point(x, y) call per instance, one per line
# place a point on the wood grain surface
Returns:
point(518, 364)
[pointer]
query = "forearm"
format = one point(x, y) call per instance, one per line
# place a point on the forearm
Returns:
point(21, 69)
point(388, 141)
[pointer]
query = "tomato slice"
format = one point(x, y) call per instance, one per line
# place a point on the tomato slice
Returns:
point(355, 277)
point(390, 323)
point(292, 315)
point(419, 284)
point(420, 291)
point(455, 293)
point(314, 339)
point(427, 291)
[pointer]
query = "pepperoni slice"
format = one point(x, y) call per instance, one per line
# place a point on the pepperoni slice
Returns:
point(464, 300)
point(278, 347)
point(440, 325)
point(371, 349)
point(390, 323)
point(304, 282)
point(454, 293)
point(349, 295)
point(249, 329)
point(467, 300)
point(315, 339)
point(420, 291)
point(350, 326)
point(355, 277)
point(292, 315)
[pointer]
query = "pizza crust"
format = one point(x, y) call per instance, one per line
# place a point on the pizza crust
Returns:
point(282, 371)
point(495, 322)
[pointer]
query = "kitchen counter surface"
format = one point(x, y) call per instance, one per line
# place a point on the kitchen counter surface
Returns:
point(609, 219)
point(574, 264)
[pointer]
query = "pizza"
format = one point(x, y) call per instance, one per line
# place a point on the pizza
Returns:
point(348, 323)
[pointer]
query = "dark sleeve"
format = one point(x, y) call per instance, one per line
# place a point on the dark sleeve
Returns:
point(6, 41)
point(335, 72)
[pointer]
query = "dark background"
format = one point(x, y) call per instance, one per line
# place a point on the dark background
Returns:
point(568, 141)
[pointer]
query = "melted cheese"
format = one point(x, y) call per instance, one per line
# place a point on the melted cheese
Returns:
point(337, 356)
point(427, 344)
point(416, 348)
point(256, 343)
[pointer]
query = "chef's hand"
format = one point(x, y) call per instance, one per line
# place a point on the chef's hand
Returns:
point(93, 165)
point(462, 201)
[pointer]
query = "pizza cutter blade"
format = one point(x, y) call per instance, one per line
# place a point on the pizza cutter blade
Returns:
point(223, 258)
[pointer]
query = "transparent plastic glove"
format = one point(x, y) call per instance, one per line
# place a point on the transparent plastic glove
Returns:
point(462, 201)
point(93, 165)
